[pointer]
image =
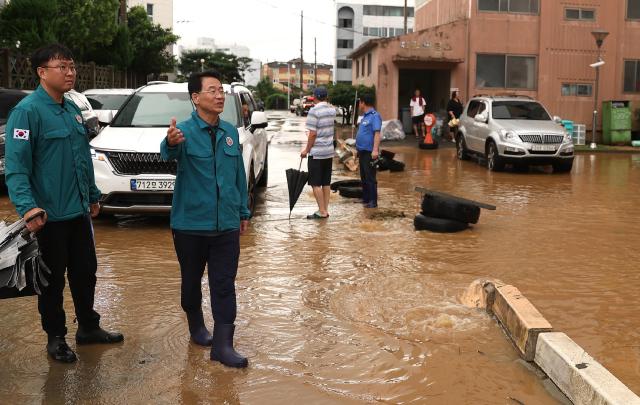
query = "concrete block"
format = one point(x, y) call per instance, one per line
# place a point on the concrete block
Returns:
point(578, 375)
point(521, 320)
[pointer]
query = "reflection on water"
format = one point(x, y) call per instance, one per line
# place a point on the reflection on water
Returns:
point(360, 308)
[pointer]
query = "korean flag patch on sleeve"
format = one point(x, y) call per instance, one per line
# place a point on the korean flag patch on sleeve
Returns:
point(21, 134)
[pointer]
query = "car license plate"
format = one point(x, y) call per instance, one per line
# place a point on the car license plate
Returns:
point(152, 185)
point(543, 148)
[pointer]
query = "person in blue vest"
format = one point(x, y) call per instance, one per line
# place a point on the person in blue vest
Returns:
point(368, 147)
point(49, 175)
point(209, 213)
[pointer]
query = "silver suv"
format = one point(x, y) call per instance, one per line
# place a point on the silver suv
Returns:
point(513, 130)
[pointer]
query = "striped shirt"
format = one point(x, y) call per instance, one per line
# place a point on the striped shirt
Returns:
point(321, 119)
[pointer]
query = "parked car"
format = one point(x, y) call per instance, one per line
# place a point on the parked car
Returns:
point(126, 155)
point(107, 102)
point(8, 99)
point(90, 117)
point(302, 109)
point(513, 130)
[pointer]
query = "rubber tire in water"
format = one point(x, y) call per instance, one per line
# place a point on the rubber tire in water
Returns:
point(396, 166)
point(498, 163)
point(461, 148)
point(345, 183)
point(440, 225)
point(439, 206)
point(350, 192)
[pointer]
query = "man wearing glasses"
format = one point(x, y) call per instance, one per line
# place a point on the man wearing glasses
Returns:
point(209, 213)
point(49, 175)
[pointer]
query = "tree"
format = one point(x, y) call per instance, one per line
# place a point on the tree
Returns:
point(27, 24)
point(344, 95)
point(264, 89)
point(227, 64)
point(150, 43)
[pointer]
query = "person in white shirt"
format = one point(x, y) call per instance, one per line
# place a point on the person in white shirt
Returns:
point(418, 106)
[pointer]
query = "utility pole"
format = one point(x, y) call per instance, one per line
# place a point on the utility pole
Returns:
point(405, 17)
point(122, 16)
point(315, 63)
point(301, 58)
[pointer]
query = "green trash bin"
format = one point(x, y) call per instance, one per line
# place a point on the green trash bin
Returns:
point(616, 122)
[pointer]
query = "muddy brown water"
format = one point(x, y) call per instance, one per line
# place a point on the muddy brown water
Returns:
point(360, 308)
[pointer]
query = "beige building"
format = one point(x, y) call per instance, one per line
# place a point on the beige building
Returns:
point(283, 73)
point(159, 11)
point(539, 48)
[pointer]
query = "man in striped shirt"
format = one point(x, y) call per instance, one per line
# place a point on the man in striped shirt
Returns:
point(320, 124)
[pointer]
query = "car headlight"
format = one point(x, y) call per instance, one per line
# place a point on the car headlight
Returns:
point(508, 135)
point(97, 155)
point(567, 138)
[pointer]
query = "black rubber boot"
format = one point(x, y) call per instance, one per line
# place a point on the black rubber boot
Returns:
point(222, 349)
point(97, 335)
point(199, 333)
point(373, 196)
point(59, 350)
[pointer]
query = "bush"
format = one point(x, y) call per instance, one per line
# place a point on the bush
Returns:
point(276, 102)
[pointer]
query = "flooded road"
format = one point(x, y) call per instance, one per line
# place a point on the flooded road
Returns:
point(358, 310)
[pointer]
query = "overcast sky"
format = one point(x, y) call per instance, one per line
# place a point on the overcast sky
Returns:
point(270, 28)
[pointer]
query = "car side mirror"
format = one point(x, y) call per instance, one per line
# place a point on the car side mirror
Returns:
point(557, 119)
point(105, 117)
point(258, 120)
point(480, 118)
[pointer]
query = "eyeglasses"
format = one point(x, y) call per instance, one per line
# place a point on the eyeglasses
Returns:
point(216, 92)
point(63, 68)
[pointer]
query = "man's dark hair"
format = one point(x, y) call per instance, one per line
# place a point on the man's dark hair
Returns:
point(195, 80)
point(42, 55)
point(368, 99)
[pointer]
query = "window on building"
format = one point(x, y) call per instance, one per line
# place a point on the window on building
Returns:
point(387, 11)
point(510, 6)
point(310, 71)
point(345, 43)
point(633, 9)
point(362, 66)
point(344, 64)
point(345, 23)
point(577, 89)
point(632, 76)
point(150, 10)
point(506, 71)
point(579, 14)
point(369, 64)
point(357, 68)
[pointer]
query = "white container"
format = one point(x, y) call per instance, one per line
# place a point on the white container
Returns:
point(579, 134)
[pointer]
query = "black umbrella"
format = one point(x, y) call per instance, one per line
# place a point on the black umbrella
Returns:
point(22, 270)
point(296, 180)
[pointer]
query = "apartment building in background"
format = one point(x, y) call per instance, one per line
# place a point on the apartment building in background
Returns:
point(358, 21)
point(285, 74)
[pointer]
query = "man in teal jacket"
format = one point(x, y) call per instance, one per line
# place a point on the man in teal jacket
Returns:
point(48, 168)
point(209, 213)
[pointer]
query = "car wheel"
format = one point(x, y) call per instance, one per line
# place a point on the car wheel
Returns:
point(264, 177)
point(494, 161)
point(563, 167)
point(461, 148)
point(350, 192)
point(345, 183)
point(439, 206)
point(440, 225)
point(251, 191)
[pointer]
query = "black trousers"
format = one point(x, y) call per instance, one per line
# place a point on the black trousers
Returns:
point(68, 246)
point(367, 173)
point(220, 253)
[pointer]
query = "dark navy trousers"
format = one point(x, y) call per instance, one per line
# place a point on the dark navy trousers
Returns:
point(220, 253)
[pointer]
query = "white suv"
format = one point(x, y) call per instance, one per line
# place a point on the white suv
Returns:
point(126, 155)
point(513, 130)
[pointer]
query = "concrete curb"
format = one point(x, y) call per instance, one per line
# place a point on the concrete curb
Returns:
point(582, 379)
point(578, 375)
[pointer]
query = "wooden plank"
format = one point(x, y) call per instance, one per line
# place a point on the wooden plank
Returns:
point(441, 194)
